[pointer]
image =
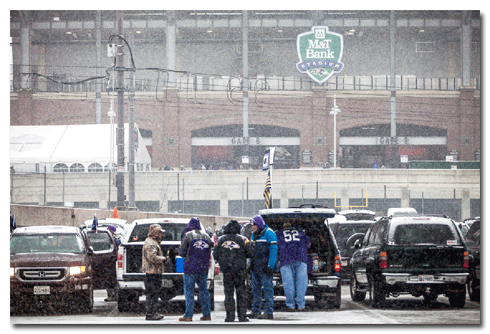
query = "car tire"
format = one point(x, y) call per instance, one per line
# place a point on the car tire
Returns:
point(87, 302)
point(338, 298)
point(377, 294)
point(474, 289)
point(355, 295)
point(458, 299)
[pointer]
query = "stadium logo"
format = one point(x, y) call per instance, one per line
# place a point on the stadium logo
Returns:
point(320, 53)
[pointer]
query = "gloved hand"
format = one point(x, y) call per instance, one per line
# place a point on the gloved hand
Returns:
point(268, 271)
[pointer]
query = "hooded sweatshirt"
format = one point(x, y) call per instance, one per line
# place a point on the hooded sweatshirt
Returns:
point(232, 249)
point(195, 248)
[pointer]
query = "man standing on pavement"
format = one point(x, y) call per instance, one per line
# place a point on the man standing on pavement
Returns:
point(293, 245)
point(196, 251)
point(232, 251)
point(152, 266)
point(263, 264)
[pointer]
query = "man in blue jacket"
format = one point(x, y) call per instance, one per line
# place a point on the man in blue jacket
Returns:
point(195, 248)
point(263, 264)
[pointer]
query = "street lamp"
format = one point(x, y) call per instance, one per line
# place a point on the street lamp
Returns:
point(334, 112)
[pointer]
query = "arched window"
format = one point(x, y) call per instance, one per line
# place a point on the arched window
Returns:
point(77, 168)
point(95, 167)
point(60, 168)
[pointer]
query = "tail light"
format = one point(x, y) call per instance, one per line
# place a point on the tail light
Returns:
point(337, 263)
point(466, 260)
point(119, 261)
point(383, 260)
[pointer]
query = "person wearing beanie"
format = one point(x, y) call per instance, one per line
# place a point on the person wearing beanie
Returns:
point(152, 266)
point(293, 245)
point(195, 248)
point(263, 263)
point(232, 251)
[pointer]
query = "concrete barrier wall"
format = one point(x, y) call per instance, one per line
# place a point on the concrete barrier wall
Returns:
point(344, 185)
point(34, 215)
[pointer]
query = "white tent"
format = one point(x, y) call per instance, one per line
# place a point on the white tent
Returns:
point(69, 147)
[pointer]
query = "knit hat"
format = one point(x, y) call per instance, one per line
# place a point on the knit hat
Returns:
point(259, 222)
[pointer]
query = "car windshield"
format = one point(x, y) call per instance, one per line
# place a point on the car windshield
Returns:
point(172, 232)
point(46, 243)
point(436, 234)
point(344, 231)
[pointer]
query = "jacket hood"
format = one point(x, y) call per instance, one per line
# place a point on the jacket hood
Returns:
point(155, 231)
point(232, 227)
point(194, 224)
point(259, 222)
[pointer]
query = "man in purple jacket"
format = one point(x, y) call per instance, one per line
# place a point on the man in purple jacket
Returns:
point(293, 244)
point(195, 248)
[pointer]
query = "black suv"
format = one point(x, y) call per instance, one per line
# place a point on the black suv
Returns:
point(324, 279)
point(349, 226)
point(422, 256)
point(473, 244)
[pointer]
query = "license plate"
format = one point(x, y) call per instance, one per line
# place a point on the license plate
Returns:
point(426, 278)
point(344, 263)
point(41, 290)
point(167, 283)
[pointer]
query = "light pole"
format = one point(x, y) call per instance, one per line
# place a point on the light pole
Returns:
point(334, 112)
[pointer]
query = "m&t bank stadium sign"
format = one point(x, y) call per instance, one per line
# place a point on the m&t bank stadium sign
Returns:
point(319, 53)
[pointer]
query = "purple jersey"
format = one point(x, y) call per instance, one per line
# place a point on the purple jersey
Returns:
point(293, 245)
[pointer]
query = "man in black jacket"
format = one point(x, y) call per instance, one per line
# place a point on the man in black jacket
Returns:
point(232, 251)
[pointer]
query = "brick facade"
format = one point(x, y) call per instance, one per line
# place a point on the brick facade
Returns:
point(173, 116)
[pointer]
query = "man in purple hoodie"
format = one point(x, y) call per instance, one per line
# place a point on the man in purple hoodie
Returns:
point(195, 248)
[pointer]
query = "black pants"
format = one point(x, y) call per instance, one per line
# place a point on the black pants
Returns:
point(153, 285)
point(235, 281)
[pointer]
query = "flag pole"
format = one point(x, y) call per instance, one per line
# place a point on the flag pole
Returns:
point(270, 173)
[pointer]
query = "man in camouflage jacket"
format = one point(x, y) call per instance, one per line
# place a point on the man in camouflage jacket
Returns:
point(152, 266)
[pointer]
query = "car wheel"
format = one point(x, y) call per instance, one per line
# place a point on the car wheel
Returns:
point(211, 297)
point(474, 289)
point(377, 295)
point(458, 299)
point(87, 302)
point(357, 296)
point(338, 298)
point(321, 302)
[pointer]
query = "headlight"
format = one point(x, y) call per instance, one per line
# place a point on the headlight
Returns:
point(77, 270)
point(12, 271)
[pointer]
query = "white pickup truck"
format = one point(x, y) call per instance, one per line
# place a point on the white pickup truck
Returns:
point(130, 278)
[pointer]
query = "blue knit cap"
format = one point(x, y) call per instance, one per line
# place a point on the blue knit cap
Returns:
point(259, 222)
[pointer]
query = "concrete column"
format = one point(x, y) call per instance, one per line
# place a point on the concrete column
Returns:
point(466, 48)
point(223, 204)
point(284, 199)
point(405, 197)
point(344, 198)
point(170, 47)
point(465, 203)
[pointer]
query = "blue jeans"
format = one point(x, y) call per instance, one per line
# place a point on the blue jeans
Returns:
point(295, 283)
point(190, 281)
point(259, 281)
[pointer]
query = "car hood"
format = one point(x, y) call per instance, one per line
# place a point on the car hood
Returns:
point(48, 260)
